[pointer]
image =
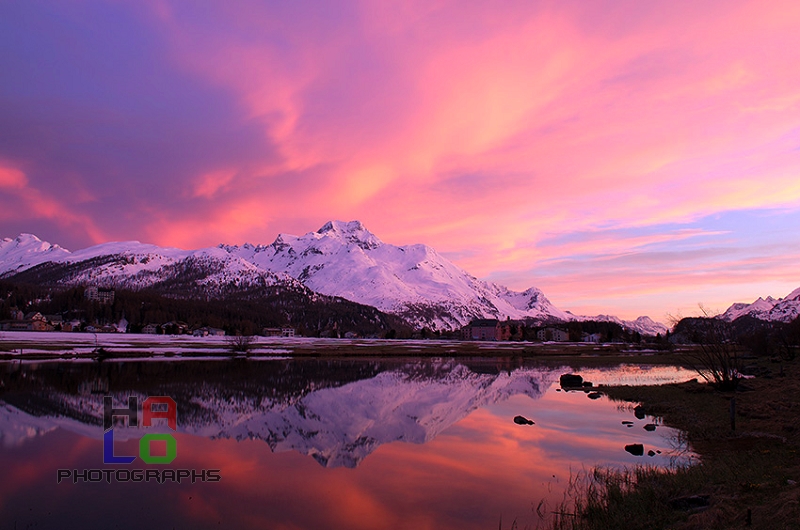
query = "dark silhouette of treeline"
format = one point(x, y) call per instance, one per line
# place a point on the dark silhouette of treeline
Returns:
point(238, 310)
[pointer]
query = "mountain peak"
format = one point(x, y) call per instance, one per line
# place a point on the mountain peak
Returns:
point(351, 232)
point(342, 227)
point(26, 250)
point(27, 237)
point(30, 241)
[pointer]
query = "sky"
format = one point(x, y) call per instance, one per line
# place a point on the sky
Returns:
point(625, 157)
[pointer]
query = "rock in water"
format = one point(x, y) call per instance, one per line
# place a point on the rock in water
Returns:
point(635, 449)
point(571, 381)
point(522, 420)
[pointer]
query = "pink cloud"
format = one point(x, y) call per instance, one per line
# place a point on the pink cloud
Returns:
point(477, 130)
point(22, 200)
point(579, 115)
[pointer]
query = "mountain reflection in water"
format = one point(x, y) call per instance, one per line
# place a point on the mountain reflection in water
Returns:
point(467, 464)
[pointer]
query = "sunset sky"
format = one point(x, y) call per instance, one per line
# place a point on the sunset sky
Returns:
point(627, 157)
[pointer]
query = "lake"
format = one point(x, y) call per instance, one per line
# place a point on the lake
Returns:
point(315, 443)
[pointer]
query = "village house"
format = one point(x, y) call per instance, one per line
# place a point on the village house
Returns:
point(15, 325)
point(590, 337)
point(175, 327)
point(38, 322)
point(278, 332)
point(18, 322)
point(552, 334)
point(207, 331)
point(57, 321)
point(487, 329)
point(72, 325)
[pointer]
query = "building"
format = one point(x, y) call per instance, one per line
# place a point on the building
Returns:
point(591, 337)
point(99, 295)
point(38, 322)
point(206, 331)
point(552, 334)
point(487, 329)
point(278, 332)
point(57, 321)
point(72, 325)
point(16, 325)
point(176, 327)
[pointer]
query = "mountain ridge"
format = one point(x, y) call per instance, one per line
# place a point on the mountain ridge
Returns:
point(769, 309)
point(341, 259)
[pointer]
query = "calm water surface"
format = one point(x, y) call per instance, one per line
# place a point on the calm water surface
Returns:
point(310, 444)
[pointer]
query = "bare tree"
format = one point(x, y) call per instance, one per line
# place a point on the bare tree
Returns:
point(717, 361)
point(240, 343)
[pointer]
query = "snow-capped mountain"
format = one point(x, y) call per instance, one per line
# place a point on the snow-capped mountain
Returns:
point(770, 309)
point(341, 259)
point(642, 325)
point(132, 264)
point(26, 251)
point(347, 260)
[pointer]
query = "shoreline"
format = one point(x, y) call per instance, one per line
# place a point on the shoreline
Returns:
point(30, 345)
point(748, 473)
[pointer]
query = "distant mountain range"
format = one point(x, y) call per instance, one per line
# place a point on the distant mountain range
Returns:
point(769, 309)
point(341, 259)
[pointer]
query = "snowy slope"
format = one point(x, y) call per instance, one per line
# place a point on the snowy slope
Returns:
point(133, 264)
point(770, 309)
point(345, 259)
point(26, 251)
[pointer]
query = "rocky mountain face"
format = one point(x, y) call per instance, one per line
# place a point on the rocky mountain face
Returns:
point(341, 259)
